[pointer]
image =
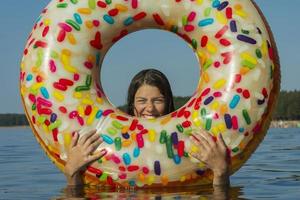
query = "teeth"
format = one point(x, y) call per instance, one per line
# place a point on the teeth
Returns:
point(148, 116)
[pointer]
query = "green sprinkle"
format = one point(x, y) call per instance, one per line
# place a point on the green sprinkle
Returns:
point(82, 88)
point(184, 20)
point(73, 24)
point(208, 124)
point(112, 131)
point(207, 12)
point(245, 32)
point(117, 124)
point(55, 124)
point(74, 1)
point(33, 107)
point(103, 176)
point(236, 149)
point(108, 1)
point(169, 147)
point(88, 80)
point(118, 143)
point(248, 64)
point(62, 5)
point(179, 128)
point(41, 119)
point(203, 113)
point(54, 54)
point(174, 28)
point(207, 64)
point(194, 43)
point(258, 53)
point(163, 136)
point(246, 117)
point(92, 4)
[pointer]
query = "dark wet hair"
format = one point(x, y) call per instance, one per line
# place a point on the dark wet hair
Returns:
point(151, 77)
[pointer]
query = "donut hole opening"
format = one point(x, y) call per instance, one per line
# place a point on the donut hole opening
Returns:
point(150, 48)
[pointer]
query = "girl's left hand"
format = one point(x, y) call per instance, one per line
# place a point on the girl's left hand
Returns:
point(212, 153)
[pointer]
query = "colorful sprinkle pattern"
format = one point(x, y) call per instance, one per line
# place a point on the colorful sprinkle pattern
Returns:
point(61, 88)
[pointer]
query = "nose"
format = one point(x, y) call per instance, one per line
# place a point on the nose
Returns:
point(150, 107)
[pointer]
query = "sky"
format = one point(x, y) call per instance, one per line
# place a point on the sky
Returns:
point(140, 50)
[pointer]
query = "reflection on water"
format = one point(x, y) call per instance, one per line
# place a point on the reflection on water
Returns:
point(272, 172)
point(202, 193)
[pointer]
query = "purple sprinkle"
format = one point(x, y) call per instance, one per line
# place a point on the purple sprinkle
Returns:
point(200, 172)
point(53, 117)
point(208, 100)
point(260, 101)
point(174, 138)
point(223, 5)
point(227, 118)
point(247, 39)
point(157, 167)
point(233, 27)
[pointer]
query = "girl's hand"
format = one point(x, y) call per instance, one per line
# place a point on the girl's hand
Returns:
point(82, 153)
point(213, 154)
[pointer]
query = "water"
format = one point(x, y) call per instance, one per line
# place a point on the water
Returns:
point(272, 172)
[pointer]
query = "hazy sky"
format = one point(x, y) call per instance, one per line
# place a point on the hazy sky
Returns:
point(139, 50)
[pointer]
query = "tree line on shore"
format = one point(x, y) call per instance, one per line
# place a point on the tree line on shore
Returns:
point(288, 108)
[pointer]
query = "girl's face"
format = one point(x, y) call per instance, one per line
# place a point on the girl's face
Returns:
point(148, 102)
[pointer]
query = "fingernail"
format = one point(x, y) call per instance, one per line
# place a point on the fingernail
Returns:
point(104, 152)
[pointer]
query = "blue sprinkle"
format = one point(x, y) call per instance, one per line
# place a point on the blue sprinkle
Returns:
point(29, 77)
point(174, 138)
point(128, 21)
point(77, 18)
point(98, 56)
point(228, 122)
point(223, 5)
point(208, 100)
point(108, 19)
point(157, 169)
point(241, 130)
point(99, 114)
point(53, 117)
point(136, 152)
point(131, 182)
point(177, 159)
point(107, 139)
point(233, 27)
point(44, 92)
point(206, 22)
point(246, 39)
point(234, 102)
point(216, 3)
point(126, 136)
point(126, 159)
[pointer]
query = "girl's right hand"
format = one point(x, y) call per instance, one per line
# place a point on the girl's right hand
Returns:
point(81, 154)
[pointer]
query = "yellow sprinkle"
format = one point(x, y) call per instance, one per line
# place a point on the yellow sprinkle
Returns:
point(23, 90)
point(215, 105)
point(264, 48)
point(165, 120)
point(91, 58)
point(195, 114)
point(92, 116)
point(126, 143)
point(45, 128)
point(211, 48)
point(197, 122)
point(241, 13)
point(89, 24)
point(80, 110)
point(124, 129)
point(87, 101)
point(65, 59)
point(133, 136)
point(141, 177)
point(85, 11)
point(249, 58)
point(71, 38)
point(223, 109)
point(35, 69)
point(67, 139)
point(36, 86)
point(47, 22)
point(221, 127)
point(58, 96)
point(151, 135)
point(150, 180)
point(22, 65)
point(219, 84)
point(77, 95)
point(199, 2)
point(164, 180)
point(194, 149)
point(206, 77)
point(66, 52)
point(221, 18)
point(99, 100)
point(202, 57)
point(182, 178)
point(238, 6)
point(201, 165)
point(121, 7)
point(244, 70)
point(215, 130)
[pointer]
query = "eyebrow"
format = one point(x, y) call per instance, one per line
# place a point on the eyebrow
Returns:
point(160, 97)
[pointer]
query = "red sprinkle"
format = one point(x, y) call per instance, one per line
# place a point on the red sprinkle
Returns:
point(113, 12)
point(225, 42)
point(229, 12)
point(101, 4)
point(246, 94)
point(139, 16)
point(221, 32)
point(88, 110)
point(204, 41)
point(132, 168)
point(158, 19)
point(45, 31)
point(62, 109)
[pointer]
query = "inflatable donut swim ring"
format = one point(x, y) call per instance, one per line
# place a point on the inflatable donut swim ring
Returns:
point(61, 89)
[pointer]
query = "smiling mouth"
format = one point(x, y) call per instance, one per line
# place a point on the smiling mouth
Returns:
point(149, 116)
